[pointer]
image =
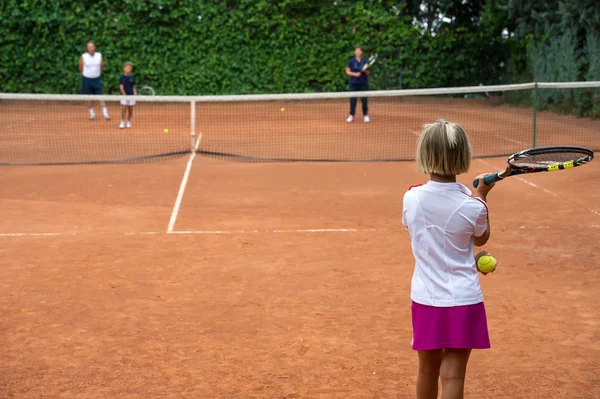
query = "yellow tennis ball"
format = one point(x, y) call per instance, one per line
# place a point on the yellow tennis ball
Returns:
point(282, 109)
point(486, 263)
point(166, 131)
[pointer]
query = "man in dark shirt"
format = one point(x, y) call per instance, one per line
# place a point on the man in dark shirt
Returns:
point(358, 81)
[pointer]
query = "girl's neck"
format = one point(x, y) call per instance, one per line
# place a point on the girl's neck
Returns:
point(443, 179)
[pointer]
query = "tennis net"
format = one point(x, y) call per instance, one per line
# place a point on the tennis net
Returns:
point(55, 129)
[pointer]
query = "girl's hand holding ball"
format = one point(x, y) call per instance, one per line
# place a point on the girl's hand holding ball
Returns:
point(485, 262)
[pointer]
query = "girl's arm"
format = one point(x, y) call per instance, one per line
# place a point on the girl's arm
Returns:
point(81, 64)
point(483, 239)
point(123, 89)
point(134, 90)
point(482, 192)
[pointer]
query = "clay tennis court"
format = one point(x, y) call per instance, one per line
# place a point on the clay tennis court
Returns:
point(282, 280)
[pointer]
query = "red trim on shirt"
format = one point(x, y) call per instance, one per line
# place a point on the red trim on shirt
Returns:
point(416, 185)
point(478, 199)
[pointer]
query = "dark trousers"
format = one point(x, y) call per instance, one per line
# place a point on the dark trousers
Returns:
point(363, 100)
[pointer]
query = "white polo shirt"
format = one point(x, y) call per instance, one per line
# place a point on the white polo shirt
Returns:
point(92, 65)
point(442, 219)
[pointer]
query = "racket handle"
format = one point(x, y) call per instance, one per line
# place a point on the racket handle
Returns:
point(489, 179)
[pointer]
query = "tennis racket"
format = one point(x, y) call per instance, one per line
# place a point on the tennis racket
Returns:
point(146, 91)
point(370, 62)
point(541, 159)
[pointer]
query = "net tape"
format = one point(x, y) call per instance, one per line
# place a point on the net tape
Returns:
point(306, 96)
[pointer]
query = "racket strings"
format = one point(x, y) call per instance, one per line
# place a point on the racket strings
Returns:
point(549, 158)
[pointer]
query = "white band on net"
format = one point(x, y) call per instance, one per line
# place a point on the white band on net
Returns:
point(272, 97)
point(303, 96)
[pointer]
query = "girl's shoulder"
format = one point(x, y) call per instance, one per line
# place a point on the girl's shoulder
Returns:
point(411, 193)
point(412, 190)
point(476, 204)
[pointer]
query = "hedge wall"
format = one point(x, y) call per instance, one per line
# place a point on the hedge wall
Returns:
point(191, 47)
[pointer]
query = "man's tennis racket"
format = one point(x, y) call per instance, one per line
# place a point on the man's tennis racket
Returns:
point(541, 159)
point(370, 62)
point(146, 91)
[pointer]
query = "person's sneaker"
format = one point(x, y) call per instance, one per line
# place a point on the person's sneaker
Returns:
point(122, 125)
point(367, 119)
point(106, 117)
point(350, 119)
point(92, 117)
point(128, 125)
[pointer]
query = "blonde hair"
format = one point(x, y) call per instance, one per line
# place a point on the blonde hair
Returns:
point(443, 149)
point(127, 63)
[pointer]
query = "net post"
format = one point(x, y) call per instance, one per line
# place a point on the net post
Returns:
point(193, 126)
point(535, 101)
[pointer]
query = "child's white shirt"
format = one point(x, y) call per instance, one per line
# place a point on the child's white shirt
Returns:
point(442, 219)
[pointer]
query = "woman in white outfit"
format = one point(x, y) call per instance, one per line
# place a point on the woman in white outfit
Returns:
point(91, 66)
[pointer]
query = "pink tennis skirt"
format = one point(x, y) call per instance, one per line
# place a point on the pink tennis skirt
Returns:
point(452, 327)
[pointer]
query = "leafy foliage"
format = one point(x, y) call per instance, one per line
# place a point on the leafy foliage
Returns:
point(193, 47)
point(563, 44)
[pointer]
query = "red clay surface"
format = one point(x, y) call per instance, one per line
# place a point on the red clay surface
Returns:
point(263, 314)
point(251, 299)
point(86, 198)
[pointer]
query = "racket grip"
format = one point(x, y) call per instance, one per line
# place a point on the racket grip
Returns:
point(489, 179)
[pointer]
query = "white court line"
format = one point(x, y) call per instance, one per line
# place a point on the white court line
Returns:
point(511, 140)
point(200, 232)
point(184, 181)
point(552, 193)
point(282, 231)
point(590, 226)
point(236, 232)
point(36, 234)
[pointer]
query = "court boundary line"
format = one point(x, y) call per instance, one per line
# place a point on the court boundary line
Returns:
point(250, 231)
point(550, 192)
point(182, 187)
point(509, 139)
point(276, 231)
point(38, 234)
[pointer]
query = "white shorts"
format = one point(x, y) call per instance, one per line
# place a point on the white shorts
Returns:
point(130, 103)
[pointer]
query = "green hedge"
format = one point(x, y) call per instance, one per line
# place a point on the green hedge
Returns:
point(560, 42)
point(190, 47)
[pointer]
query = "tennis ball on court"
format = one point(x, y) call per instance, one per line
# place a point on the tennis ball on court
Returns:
point(166, 131)
point(282, 109)
point(486, 263)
